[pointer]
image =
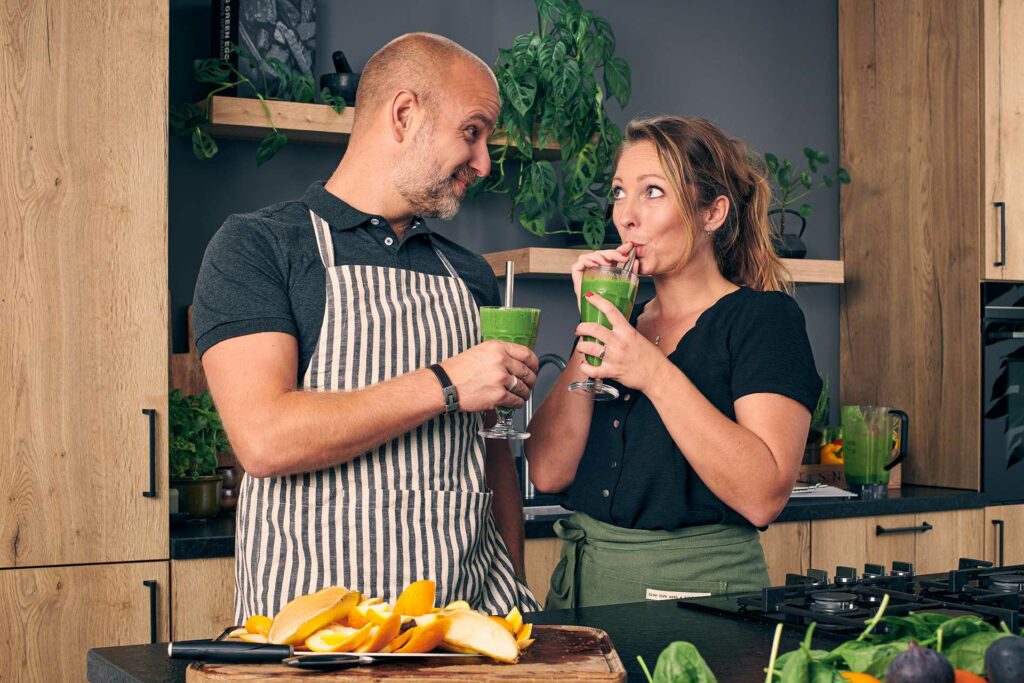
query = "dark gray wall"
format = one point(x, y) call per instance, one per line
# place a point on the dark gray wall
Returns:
point(765, 72)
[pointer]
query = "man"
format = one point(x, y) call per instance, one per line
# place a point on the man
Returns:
point(340, 339)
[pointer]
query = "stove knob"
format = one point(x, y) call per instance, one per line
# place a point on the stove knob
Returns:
point(902, 569)
point(845, 575)
point(873, 571)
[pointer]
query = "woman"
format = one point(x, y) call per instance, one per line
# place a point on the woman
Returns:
point(716, 379)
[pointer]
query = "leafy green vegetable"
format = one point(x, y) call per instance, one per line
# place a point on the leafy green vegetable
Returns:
point(969, 652)
point(680, 661)
point(196, 435)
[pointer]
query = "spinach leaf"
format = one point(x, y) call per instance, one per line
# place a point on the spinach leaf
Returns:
point(680, 661)
point(969, 652)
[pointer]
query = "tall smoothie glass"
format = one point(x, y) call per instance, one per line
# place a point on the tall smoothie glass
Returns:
point(619, 287)
point(516, 325)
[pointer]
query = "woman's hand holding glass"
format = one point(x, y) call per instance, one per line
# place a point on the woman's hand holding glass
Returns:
point(591, 259)
point(626, 355)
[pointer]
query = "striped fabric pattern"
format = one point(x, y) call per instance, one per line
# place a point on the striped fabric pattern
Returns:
point(415, 507)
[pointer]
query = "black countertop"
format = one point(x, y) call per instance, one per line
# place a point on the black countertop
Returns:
point(735, 650)
point(216, 537)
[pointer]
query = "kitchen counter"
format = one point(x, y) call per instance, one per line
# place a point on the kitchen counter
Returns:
point(216, 537)
point(735, 650)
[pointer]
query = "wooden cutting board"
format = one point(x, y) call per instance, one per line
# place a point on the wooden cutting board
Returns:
point(560, 653)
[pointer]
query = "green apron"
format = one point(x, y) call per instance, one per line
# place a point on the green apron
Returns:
point(603, 564)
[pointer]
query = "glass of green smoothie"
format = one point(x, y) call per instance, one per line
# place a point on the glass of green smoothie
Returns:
point(619, 287)
point(509, 324)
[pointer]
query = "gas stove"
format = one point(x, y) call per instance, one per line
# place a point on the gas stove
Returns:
point(842, 604)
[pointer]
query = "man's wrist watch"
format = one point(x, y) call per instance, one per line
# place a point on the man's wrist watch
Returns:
point(451, 394)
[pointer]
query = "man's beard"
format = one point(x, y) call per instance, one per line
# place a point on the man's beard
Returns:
point(423, 183)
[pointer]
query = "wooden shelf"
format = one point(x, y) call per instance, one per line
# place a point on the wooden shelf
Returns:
point(243, 117)
point(545, 261)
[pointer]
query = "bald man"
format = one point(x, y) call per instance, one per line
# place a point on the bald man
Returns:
point(341, 340)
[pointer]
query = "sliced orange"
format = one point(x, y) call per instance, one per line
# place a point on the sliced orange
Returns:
point(382, 635)
point(476, 632)
point(516, 619)
point(458, 604)
point(253, 638)
point(524, 633)
point(357, 618)
point(307, 614)
point(426, 638)
point(416, 599)
point(236, 633)
point(523, 644)
point(337, 638)
point(258, 623)
point(401, 640)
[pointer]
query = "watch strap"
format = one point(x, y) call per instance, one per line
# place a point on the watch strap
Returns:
point(451, 394)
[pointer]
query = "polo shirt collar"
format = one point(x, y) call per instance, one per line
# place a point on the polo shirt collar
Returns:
point(341, 216)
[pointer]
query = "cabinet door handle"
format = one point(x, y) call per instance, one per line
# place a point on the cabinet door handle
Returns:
point(1002, 233)
point(151, 493)
point(879, 529)
point(152, 586)
point(1001, 525)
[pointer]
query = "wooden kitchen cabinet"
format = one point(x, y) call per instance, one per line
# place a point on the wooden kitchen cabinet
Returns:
point(541, 555)
point(855, 541)
point(202, 597)
point(1012, 517)
point(1002, 32)
point(51, 616)
point(787, 550)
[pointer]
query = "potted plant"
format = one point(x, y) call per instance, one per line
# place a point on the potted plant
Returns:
point(551, 92)
point(790, 184)
point(196, 437)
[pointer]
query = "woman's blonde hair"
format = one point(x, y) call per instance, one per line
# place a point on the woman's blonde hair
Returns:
point(702, 163)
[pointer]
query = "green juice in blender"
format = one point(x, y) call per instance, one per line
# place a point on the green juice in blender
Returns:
point(620, 291)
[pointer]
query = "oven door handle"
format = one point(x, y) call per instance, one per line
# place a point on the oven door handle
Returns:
point(880, 530)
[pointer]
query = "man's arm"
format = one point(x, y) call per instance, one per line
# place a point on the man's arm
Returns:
point(507, 502)
point(276, 429)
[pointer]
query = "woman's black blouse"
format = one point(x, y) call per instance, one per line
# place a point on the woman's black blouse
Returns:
point(632, 474)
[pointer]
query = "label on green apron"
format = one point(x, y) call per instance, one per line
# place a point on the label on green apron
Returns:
point(655, 594)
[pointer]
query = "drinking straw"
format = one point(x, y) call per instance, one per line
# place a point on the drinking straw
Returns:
point(629, 260)
point(510, 274)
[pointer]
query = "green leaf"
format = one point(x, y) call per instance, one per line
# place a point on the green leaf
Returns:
point(582, 171)
point(594, 226)
point(604, 37)
point(680, 661)
point(520, 94)
point(283, 73)
point(569, 81)
point(810, 153)
point(269, 146)
point(302, 88)
point(804, 210)
point(827, 180)
point(336, 102)
point(617, 80)
point(842, 176)
point(805, 180)
point(969, 652)
point(771, 162)
point(822, 158)
point(185, 117)
point(203, 146)
point(211, 70)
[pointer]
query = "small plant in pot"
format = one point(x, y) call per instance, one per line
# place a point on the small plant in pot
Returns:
point(196, 437)
point(791, 183)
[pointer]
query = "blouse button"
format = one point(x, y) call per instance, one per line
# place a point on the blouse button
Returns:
point(388, 241)
point(374, 221)
point(605, 493)
point(615, 424)
point(615, 464)
point(626, 397)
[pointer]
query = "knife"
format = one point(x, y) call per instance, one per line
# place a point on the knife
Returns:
point(229, 651)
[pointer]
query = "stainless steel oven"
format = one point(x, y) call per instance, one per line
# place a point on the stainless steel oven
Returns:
point(1002, 400)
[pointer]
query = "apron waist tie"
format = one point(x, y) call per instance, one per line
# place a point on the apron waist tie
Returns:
point(566, 575)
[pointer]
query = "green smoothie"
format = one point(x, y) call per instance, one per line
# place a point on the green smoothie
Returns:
point(620, 290)
point(516, 325)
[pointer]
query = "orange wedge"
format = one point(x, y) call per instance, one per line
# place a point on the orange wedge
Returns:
point(516, 619)
point(401, 640)
point(253, 638)
point(458, 604)
point(357, 618)
point(337, 638)
point(236, 633)
point(416, 599)
point(524, 633)
point(425, 638)
point(523, 644)
point(478, 633)
point(258, 623)
point(382, 635)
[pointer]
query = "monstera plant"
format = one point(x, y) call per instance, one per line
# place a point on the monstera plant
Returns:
point(554, 86)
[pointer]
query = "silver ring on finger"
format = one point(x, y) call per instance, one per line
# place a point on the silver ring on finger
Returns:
point(600, 356)
point(515, 383)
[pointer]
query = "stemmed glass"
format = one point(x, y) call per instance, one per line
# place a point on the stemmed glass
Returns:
point(618, 286)
point(519, 326)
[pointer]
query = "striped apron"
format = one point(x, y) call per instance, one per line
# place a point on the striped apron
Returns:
point(416, 507)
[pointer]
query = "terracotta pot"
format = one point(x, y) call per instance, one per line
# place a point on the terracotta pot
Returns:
point(199, 498)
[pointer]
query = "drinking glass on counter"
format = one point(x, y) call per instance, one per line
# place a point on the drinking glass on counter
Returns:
point(618, 286)
point(509, 324)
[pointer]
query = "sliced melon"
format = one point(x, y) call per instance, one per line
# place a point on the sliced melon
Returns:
point(479, 633)
point(306, 614)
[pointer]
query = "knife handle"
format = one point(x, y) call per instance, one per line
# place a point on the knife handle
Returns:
point(228, 652)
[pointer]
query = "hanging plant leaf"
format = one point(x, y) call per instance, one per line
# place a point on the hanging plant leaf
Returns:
point(617, 80)
point(269, 146)
point(185, 117)
point(211, 70)
point(302, 88)
point(203, 146)
point(593, 230)
point(336, 102)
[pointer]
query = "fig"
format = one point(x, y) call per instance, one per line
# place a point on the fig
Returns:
point(919, 665)
point(1004, 660)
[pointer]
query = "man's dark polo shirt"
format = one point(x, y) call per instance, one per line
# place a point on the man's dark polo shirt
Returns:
point(262, 271)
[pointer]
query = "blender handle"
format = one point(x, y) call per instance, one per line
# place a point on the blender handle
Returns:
point(904, 428)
